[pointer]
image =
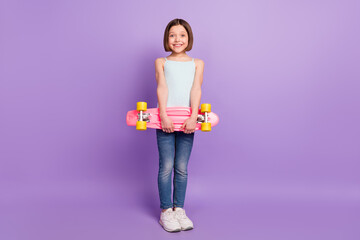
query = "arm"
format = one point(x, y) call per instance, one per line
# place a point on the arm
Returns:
point(195, 94)
point(162, 90)
point(162, 94)
point(195, 97)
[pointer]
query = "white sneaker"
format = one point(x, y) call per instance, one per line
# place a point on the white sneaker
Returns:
point(169, 222)
point(185, 222)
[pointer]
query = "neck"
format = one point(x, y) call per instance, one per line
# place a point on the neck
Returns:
point(178, 55)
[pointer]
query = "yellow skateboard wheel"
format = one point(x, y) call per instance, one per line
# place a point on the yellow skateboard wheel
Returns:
point(205, 107)
point(141, 125)
point(141, 106)
point(206, 127)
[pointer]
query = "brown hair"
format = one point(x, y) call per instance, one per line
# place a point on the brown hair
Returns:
point(186, 25)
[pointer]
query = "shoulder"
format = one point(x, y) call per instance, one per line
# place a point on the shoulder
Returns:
point(159, 62)
point(199, 64)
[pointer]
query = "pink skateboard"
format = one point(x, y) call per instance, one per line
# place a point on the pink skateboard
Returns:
point(143, 117)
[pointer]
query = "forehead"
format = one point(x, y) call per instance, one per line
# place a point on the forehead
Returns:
point(177, 29)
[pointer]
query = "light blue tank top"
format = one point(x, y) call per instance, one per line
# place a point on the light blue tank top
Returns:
point(179, 79)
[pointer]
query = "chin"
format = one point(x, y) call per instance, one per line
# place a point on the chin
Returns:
point(178, 50)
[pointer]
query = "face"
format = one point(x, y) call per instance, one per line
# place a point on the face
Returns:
point(178, 39)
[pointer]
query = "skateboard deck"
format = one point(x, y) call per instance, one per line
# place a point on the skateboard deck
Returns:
point(178, 115)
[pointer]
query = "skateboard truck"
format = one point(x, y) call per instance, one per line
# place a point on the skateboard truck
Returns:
point(143, 116)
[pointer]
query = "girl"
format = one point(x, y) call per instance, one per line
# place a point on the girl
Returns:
point(179, 79)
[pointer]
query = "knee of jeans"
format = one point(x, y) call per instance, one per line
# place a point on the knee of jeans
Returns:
point(181, 169)
point(166, 168)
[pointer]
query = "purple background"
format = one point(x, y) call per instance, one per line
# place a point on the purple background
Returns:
point(283, 163)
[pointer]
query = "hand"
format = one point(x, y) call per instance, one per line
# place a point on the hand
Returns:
point(189, 125)
point(166, 124)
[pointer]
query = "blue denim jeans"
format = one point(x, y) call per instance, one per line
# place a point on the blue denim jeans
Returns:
point(174, 153)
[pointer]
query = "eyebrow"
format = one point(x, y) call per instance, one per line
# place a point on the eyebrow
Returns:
point(174, 32)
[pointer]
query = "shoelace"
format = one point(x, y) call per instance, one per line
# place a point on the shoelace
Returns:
point(169, 216)
point(181, 214)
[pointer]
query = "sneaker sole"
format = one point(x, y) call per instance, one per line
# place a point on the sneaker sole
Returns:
point(168, 230)
point(187, 229)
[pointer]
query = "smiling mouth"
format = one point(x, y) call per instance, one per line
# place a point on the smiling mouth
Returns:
point(177, 45)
